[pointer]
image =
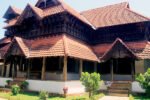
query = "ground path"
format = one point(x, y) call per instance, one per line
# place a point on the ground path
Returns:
point(2, 99)
point(114, 98)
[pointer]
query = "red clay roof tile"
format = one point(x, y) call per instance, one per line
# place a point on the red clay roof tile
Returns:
point(113, 15)
point(56, 46)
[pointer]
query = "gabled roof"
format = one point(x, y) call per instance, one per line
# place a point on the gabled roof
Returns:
point(113, 15)
point(12, 10)
point(140, 48)
point(63, 7)
point(37, 11)
point(41, 13)
point(118, 50)
point(56, 46)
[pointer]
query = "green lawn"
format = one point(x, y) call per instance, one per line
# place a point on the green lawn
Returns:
point(33, 96)
point(139, 97)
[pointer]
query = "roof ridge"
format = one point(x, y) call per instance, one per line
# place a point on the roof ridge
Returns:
point(83, 19)
point(137, 13)
point(126, 6)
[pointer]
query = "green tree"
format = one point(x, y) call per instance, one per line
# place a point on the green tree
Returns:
point(91, 82)
point(144, 80)
point(15, 89)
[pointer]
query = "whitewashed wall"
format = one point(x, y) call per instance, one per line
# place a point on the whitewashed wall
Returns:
point(75, 87)
point(136, 88)
point(49, 86)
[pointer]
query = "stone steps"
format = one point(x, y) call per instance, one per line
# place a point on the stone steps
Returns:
point(119, 89)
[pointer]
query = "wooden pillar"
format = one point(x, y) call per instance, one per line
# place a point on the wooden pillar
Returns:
point(7, 70)
point(43, 69)
point(2, 69)
point(28, 68)
point(15, 68)
point(81, 67)
point(60, 63)
point(133, 70)
point(95, 67)
point(10, 70)
point(112, 70)
point(65, 69)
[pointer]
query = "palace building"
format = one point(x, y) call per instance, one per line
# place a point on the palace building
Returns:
point(50, 45)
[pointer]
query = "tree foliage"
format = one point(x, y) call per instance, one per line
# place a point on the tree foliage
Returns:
point(144, 80)
point(91, 82)
point(15, 89)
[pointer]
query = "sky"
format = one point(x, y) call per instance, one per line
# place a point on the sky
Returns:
point(140, 6)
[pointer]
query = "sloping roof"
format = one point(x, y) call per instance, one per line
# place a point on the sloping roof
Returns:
point(56, 46)
point(5, 40)
point(140, 48)
point(12, 10)
point(118, 49)
point(113, 15)
point(36, 10)
point(11, 23)
point(3, 50)
point(62, 7)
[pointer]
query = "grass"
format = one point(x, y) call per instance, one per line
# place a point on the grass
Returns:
point(34, 96)
point(139, 97)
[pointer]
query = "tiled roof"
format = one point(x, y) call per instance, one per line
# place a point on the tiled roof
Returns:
point(140, 48)
point(5, 40)
point(118, 49)
point(62, 7)
point(16, 10)
point(12, 10)
point(36, 10)
point(11, 23)
point(113, 15)
point(3, 50)
point(56, 46)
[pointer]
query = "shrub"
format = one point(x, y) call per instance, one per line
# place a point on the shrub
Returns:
point(8, 81)
point(24, 85)
point(43, 95)
point(144, 80)
point(91, 82)
point(15, 89)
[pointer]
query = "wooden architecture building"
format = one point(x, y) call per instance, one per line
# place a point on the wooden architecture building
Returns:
point(52, 42)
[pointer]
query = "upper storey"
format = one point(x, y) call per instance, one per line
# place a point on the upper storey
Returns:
point(101, 25)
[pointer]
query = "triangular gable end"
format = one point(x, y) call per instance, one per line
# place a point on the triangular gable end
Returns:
point(14, 49)
point(47, 3)
point(118, 50)
point(11, 11)
point(30, 11)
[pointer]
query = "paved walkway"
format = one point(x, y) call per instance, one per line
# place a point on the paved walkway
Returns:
point(114, 98)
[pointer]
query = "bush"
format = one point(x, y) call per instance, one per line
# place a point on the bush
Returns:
point(15, 89)
point(8, 81)
point(144, 80)
point(43, 95)
point(24, 85)
point(91, 82)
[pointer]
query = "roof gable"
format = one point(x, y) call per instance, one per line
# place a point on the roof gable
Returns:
point(46, 3)
point(30, 11)
point(118, 50)
point(12, 11)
